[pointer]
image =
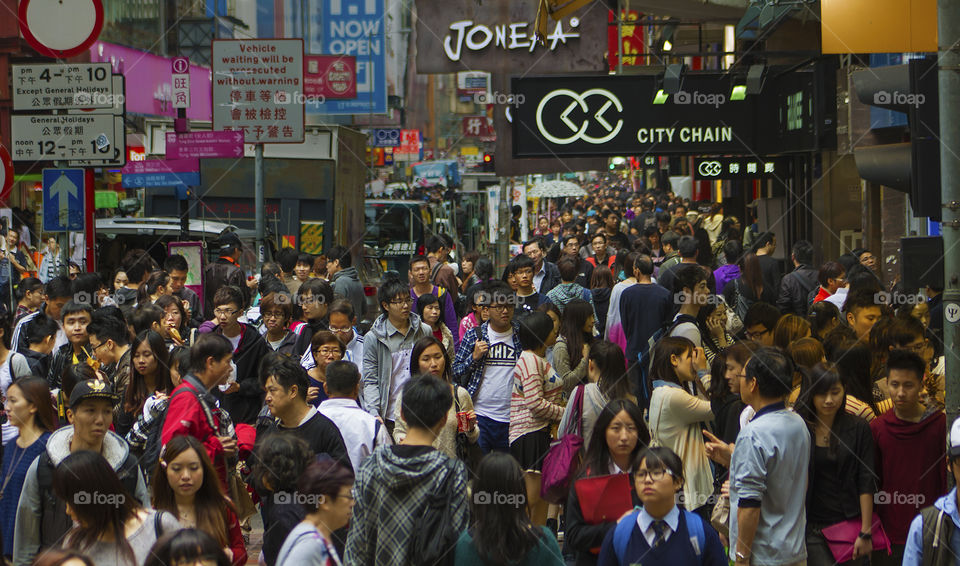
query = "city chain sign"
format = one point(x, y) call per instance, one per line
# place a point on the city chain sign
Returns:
point(609, 116)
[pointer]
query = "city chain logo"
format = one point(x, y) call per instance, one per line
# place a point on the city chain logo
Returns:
point(97, 498)
point(497, 498)
point(900, 98)
point(897, 498)
point(580, 100)
point(695, 97)
point(499, 98)
point(709, 168)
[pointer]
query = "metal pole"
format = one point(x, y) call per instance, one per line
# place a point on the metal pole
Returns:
point(948, 17)
point(503, 243)
point(258, 197)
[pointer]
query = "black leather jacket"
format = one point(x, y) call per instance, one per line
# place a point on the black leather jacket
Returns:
point(795, 287)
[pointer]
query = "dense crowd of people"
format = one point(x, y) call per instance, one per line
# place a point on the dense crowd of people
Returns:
point(642, 384)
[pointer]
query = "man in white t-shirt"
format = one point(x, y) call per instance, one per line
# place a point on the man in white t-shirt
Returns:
point(484, 365)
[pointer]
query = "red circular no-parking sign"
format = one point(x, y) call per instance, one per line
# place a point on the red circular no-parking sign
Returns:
point(6, 173)
point(60, 29)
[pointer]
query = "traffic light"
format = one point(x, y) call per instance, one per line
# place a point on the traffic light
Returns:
point(488, 162)
point(912, 167)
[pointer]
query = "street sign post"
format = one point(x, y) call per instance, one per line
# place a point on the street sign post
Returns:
point(58, 86)
point(181, 82)
point(204, 144)
point(258, 89)
point(63, 191)
point(65, 136)
point(161, 173)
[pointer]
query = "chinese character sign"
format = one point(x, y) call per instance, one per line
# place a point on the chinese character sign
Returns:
point(258, 89)
point(631, 36)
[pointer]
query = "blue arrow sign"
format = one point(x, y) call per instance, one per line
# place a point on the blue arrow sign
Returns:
point(63, 200)
point(168, 179)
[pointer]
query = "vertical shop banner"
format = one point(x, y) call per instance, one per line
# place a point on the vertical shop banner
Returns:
point(356, 27)
point(631, 36)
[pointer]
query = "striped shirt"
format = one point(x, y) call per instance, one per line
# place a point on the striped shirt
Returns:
point(535, 400)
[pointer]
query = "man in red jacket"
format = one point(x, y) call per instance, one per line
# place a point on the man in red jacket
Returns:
point(194, 413)
point(911, 445)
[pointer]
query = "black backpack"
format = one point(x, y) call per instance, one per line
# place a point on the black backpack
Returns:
point(153, 445)
point(435, 536)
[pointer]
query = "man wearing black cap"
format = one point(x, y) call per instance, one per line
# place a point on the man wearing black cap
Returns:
point(42, 519)
point(224, 271)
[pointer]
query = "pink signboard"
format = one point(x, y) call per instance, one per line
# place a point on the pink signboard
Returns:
point(204, 144)
point(161, 166)
point(149, 81)
point(330, 76)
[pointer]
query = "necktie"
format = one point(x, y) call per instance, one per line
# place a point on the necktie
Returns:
point(658, 530)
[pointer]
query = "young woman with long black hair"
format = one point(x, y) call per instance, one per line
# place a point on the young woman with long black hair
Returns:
point(110, 526)
point(618, 436)
point(573, 344)
point(430, 357)
point(185, 484)
point(501, 531)
point(29, 409)
point(677, 418)
point(606, 381)
point(842, 479)
point(149, 377)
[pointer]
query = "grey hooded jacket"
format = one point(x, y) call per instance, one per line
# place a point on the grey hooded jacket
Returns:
point(378, 361)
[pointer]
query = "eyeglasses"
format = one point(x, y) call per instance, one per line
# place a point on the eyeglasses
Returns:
point(655, 475)
point(408, 301)
point(224, 312)
point(273, 314)
point(343, 330)
point(93, 349)
point(328, 351)
point(755, 335)
point(500, 307)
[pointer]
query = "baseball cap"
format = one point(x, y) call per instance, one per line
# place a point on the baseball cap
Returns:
point(91, 389)
point(229, 240)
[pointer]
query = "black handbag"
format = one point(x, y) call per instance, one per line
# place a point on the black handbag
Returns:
point(467, 452)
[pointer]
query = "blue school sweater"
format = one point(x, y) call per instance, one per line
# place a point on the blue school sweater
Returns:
point(676, 551)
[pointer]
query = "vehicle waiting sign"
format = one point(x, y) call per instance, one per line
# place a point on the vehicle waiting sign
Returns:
point(70, 85)
point(63, 200)
point(258, 89)
point(64, 136)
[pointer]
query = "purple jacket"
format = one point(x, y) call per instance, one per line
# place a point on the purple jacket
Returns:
point(725, 274)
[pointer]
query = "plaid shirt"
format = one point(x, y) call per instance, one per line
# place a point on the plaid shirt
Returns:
point(392, 493)
point(468, 372)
